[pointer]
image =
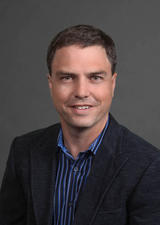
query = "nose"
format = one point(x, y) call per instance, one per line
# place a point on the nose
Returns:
point(81, 89)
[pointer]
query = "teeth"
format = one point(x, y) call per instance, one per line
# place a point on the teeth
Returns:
point(82, 107)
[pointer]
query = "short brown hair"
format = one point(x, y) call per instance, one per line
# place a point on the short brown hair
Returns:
point(84, 36)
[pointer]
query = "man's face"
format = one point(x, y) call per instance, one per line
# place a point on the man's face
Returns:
point(82, 86)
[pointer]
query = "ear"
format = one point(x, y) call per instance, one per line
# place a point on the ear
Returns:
point(114, 77)
point(49, 81)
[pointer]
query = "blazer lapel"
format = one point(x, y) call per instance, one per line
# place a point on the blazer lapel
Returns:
point(105, 168)
point(43, 174)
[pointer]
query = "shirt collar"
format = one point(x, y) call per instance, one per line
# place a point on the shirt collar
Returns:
point(92, 148)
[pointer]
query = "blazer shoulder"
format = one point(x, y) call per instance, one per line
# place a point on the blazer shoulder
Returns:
point(35, 138)
point(40, 132)
point(132, 143)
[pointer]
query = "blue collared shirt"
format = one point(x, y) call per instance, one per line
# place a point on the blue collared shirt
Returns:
point(71, 178)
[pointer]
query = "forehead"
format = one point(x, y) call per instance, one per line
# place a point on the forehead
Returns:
point(78, 57)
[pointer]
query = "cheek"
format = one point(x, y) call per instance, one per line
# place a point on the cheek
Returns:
point(59, 95)
point(104, 93)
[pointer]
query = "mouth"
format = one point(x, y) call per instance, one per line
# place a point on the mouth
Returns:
point(81, 107)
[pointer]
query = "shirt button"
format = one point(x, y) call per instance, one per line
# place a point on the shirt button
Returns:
point(75, 169)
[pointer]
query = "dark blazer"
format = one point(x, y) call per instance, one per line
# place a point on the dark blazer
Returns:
point(123, 187)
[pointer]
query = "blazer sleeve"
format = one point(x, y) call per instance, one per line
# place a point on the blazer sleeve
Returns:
point(144, 204)
point(12, 201)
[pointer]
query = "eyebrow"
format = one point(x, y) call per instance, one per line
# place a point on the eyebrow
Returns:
point(62, 73)
point(98, 72)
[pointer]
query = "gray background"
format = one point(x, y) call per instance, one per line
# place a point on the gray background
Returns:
point(26, 28)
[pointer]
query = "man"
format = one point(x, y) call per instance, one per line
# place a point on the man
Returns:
point(87, 170)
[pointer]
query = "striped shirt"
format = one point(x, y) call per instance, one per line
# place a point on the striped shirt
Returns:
point(71, 178)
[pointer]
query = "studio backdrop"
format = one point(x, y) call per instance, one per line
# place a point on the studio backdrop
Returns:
point(27, 27)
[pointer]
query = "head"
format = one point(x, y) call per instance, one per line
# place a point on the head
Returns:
point(83, 36)
point(81, 62)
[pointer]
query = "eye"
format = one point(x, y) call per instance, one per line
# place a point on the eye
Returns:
point(66, 77)
point(96, 77)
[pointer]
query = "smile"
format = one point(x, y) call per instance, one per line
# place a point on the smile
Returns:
point(82, 107)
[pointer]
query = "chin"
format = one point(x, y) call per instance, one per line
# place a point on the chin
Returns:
point(81, 124)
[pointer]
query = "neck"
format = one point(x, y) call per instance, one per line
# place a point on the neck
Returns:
point(78, 140)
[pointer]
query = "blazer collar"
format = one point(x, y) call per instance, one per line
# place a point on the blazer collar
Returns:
point(106, 166)
point(43, 174)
